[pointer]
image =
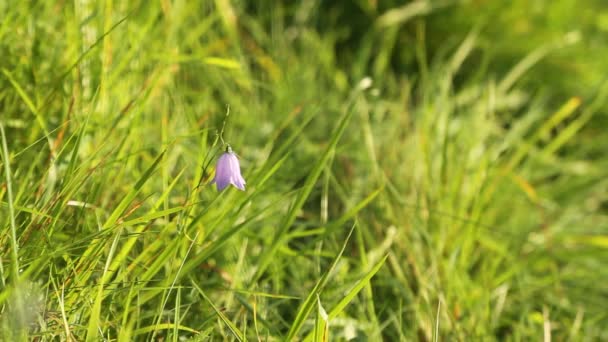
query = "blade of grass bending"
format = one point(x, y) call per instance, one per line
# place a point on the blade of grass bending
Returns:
point(268, 254)
point(151, 216)
point(564, 112)
point(151, 270)
point(527, 63)
point(125, 314)
point(30, 104)
point(321, 332)
point(128, 245)
point(569, 132)
point(309, 303)
point(161, 199)
point(199, 258)
point(175, 279)
point(94, 318)
point(74, 156)
point(164, 326)
point(122, 206)
point(93, 247)
point(359, 285)
point(252, 311)
point(282, 150)
point(89, 49)
point(235, 331)
point(358, 207)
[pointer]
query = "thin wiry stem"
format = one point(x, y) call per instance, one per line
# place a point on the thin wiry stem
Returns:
point(221, 133)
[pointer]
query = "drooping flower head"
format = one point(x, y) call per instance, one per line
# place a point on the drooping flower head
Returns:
point(228, 171)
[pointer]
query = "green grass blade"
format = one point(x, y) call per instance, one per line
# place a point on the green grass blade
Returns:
point(122, 206)
point(30, 104)
point(356, 288)
point(163, 326)
point(233, 328)
point(309, 303)
point(350, 295)
point(151, 216)
point(321, 331)
point(6, 160)
point(316, 171)
point(95, 323)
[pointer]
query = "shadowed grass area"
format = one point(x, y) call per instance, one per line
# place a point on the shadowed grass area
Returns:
point(413, 172)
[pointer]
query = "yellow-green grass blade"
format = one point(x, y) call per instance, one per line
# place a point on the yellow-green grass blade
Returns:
point(321, 331)
point(309, 303)
point(269, 252)
point(238, 334)
point(126, 201)
point(350, 295)
point(95, 324)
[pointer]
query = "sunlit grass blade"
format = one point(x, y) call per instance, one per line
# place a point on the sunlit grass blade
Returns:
point(352, 293)
point(566, 110)
point(569, 132)
point(233, 328)
point(30, 104)
point(164, 326)
point(151, 216)
point(321, 331)
point(532, 59)
point(126, 201)
point(95, 323)
point(303, 194)
point(92, 252)
point(309, 303)
point(357, 208)
point(6, 160)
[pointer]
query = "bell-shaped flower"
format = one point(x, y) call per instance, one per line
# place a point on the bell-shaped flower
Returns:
point(228, 171)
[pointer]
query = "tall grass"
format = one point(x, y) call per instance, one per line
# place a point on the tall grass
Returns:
point(405, 180)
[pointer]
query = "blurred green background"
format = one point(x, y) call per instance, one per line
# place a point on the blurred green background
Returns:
point(416, 170)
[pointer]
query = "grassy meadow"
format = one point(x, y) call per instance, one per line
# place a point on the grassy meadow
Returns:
point(416, 170)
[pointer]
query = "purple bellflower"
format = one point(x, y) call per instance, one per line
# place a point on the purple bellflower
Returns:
point(228, 171)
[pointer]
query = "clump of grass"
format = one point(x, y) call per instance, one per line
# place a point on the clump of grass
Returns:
point(393, 191)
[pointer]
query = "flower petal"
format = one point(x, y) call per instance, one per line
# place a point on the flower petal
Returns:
point(228, 171)
point(239, 183)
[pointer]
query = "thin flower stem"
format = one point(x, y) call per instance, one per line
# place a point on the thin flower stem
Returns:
point(221, 134)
